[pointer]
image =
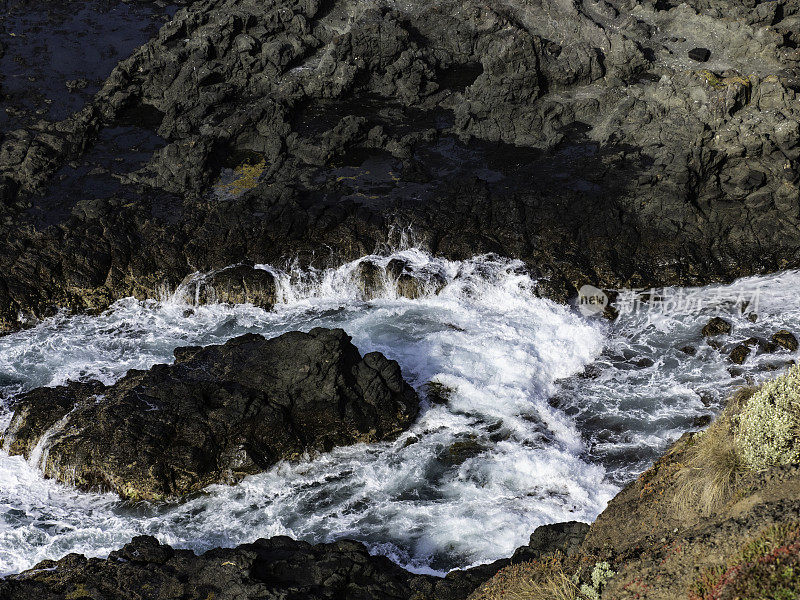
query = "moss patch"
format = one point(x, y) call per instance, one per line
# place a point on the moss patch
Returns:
point(720, 83)
point(241, 179)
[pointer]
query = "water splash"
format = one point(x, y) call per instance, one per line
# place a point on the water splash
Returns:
point(466, 484)
point(549, 413)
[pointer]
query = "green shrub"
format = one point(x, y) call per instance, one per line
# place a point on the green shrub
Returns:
point(769, 423)
point(601, 575)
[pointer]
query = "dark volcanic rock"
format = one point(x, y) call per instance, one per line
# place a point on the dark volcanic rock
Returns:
point(298, 128)
point(417, 285)
point(547, 539)
point(461, 451)
point(739, 354)
point(74, 44)
point(369, 279)
point(716, 326)
point(764, 346)
point(239, 284)
point(268, 569)
point(785, 339)
point(700, 54)
point(219, 413)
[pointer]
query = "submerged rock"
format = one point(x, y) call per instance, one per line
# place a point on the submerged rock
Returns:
point(461, 451)
point(414, 284)
point(739, 354)
point(764, 346)
point(785, 339)
point(413, 287)
point(716, 326)
point(438, 393)
point(219, 413)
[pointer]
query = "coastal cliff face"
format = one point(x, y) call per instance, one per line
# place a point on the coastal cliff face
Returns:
point(580, 137)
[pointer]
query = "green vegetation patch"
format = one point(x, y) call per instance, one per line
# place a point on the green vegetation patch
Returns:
point(759, 429)
point(768, 566)
point(768, 428)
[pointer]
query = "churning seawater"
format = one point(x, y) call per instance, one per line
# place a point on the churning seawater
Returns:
point(551, 411)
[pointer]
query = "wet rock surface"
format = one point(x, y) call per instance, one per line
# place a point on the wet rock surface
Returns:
point(739, 354)
point(276, 568)
point(785, 339)
point(716, 326)
point(219, 413)
point(299, 128)
point(562, 537)
point(240, 284)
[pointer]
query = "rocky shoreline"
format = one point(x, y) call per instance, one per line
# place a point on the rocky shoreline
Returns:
point(269, 568)
point(621, 143)
point(226, 411)
point(265, 131)
point(659, 538)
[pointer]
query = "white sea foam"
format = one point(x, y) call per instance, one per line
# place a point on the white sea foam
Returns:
point(647, 391)
point(524, 458)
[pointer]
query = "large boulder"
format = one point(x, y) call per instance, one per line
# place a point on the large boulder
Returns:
point(216, 415)
point(550, 539)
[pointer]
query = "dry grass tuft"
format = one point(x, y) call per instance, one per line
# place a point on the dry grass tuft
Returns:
point(713, 463)
point(529, 581)
point(553, 578)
